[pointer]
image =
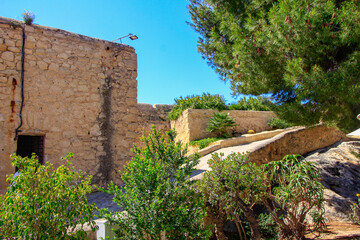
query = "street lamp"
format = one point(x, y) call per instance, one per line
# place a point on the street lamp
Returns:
point(130, 35)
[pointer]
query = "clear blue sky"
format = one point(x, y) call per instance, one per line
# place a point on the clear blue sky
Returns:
point(169, 65)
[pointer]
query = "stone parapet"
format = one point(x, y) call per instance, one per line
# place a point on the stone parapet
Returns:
point(149, 115)
point(192, 123)
point(244, 139)
point(298, 141)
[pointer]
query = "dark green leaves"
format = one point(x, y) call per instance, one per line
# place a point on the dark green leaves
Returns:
point(288, 187)
point(158, 198)
point(205, 101)
point(302, 53)
point(45, 203)
point(219, 123)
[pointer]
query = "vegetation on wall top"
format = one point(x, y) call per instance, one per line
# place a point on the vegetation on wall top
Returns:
point(217, 102)
point(253, 104)
point(28, 17)
point(205, 101)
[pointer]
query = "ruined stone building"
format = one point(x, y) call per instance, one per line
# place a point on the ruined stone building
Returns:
point(62, 92)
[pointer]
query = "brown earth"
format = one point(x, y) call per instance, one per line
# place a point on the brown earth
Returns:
point(339, 230)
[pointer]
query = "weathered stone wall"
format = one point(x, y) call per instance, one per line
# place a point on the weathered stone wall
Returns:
point(79, 93)
point(149, 116)
point(192, 124)
point(299, 141)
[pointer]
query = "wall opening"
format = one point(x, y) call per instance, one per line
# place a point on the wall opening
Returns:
point(26, 145)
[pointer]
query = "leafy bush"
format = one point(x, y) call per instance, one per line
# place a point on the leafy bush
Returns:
point(253, 104)
point(206, 101)
point(277, 123)
point(219, 123)
point(288, 189)
point(233, 187)
point(268, 226)
point(203, 143)
point(158, 196)
point(295, 191)
point(45, 203)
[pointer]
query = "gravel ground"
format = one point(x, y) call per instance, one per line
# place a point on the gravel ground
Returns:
point(103, 200)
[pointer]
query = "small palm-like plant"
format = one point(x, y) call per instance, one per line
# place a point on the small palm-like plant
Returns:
point(220, 123)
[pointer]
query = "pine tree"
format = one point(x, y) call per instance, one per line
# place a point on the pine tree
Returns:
point(305, 54)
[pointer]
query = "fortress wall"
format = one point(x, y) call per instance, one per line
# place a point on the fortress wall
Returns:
point(80, 95)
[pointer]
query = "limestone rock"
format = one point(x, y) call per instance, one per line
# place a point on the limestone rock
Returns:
point(9, 56)
point(340, 171)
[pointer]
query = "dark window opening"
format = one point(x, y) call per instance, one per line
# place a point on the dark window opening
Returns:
point(27, 145)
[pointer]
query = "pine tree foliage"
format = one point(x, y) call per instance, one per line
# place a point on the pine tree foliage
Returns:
point(305, 54)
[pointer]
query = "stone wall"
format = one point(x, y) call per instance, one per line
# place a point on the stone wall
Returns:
point(149, 116)
point(79, 93)
point(192, 123)
point(298, 141)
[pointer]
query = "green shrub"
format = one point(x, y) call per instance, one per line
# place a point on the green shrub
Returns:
point(253, 104)
point(289, 189)
point(219, 123)
point(268, 226)
point(158, 196)
point(294, 189)
point(233, 186)
point(277, 123)
point(206, 101)
point(203, 143)
point(45, 203)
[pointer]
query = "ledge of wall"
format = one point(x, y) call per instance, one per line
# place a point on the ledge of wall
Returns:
point(246, 138)
point(298, 141)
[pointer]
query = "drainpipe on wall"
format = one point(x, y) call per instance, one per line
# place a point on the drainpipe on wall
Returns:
point(22, 82)
point(15, 25)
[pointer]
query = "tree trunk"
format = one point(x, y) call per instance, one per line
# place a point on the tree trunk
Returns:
point(254, 224)
point(218, 222)
point(251, 217)
point(219, 231)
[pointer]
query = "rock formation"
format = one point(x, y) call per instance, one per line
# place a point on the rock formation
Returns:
point(340, 171)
